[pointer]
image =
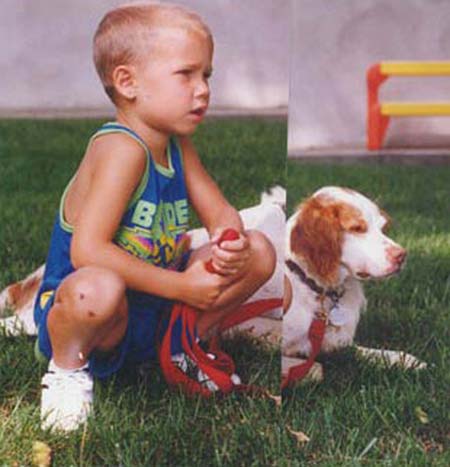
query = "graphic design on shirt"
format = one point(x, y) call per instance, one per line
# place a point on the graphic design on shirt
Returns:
point(158, 235)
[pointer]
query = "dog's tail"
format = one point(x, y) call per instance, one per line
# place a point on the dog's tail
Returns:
point(275, 195)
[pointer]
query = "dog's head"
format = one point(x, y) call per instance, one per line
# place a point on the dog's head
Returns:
point(339, 231)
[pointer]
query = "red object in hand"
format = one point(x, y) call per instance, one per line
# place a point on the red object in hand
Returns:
point(227, 235)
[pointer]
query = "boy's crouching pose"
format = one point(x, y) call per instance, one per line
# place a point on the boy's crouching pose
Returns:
point(118, 255)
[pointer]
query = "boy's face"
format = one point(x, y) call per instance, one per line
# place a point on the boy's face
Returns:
point(172, 81)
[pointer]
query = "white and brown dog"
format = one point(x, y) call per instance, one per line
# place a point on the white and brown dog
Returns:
point(335, 239)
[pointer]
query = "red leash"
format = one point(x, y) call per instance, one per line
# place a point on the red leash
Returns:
point(238, 316)
point(218, 370)
point(249, 311)
point(315, 334)
point(222, 367)
point(242, 314)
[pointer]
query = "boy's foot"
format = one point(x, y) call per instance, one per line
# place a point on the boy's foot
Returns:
point(67, 398)
point(187, 366)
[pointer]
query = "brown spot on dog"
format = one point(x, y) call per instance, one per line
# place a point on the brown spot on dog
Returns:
point(351, 219)
point(91, 314)
point(14, 292)
point(317, 237)
point(25, 291)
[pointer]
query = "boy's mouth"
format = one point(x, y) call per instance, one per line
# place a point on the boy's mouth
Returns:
point(198, 112)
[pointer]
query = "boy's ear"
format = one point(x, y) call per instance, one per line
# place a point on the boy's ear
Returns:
point(124, 81)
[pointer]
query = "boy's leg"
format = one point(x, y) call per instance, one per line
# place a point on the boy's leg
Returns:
point(262, 263)
point(89, 313)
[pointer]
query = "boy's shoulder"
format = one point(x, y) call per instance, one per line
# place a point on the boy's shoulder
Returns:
point(116, 146)
point(115, 157)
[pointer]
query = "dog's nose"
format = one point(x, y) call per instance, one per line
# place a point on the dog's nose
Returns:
point(398, 256)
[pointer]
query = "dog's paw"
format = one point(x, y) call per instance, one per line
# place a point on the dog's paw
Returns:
point(314, 375)
point(391, 358)
point(14, 326)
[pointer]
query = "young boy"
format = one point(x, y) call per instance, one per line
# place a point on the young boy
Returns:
point(118, 256)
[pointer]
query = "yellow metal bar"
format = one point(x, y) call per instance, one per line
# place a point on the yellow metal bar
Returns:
point(415, 68)
point(404, 109)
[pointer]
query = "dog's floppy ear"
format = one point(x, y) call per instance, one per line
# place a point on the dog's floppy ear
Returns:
point(317, 238)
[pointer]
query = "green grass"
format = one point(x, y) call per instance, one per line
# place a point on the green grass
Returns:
point(363, 414)
point(137, 420)
point(360, 415)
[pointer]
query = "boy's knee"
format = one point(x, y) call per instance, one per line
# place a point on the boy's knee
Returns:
point(263, 253)
point(92, 293)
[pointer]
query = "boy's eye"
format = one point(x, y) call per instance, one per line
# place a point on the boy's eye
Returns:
point(184, 72)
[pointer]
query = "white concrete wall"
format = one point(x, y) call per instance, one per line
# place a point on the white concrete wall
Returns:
point(45, 53)
point(335, 41)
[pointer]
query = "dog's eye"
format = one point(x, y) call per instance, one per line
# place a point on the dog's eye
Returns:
point(358, 228)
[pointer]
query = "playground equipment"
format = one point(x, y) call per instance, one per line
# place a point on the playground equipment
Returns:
point(378, 114)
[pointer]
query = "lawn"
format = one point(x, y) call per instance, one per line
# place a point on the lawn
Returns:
point(363, 414)
point(360, 415)
point(137, 420)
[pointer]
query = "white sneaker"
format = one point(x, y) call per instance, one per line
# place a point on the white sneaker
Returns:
point(67, 398)
point(187, 366)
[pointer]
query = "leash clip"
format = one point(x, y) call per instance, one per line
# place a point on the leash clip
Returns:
point(322, 313)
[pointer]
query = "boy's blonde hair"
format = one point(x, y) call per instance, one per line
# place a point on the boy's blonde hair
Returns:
point(126, 32)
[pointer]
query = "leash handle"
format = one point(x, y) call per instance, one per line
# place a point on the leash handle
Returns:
point(218, 371)
point(227, 235)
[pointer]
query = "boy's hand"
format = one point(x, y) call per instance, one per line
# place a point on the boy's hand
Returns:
point(201, 288)
point(230, 257)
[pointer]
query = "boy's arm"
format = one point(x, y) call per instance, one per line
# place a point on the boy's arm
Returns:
point(215, 213)
point(118, 165)
point(213, 210)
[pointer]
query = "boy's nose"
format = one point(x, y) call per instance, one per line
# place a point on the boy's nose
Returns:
point(202, 89)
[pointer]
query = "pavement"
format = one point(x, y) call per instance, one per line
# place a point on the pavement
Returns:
point(349, 155)
point(108, 112)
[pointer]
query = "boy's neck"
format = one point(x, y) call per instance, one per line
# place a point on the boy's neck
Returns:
point(155, 140)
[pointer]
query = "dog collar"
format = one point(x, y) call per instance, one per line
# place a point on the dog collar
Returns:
point(333, 294)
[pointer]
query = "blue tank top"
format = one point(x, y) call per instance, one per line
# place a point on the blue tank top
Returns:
point(153, 227)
